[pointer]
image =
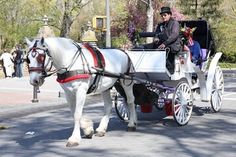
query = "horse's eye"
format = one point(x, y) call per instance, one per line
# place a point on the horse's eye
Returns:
point(40, 58)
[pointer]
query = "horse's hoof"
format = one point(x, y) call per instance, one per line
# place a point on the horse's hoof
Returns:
point(72, 144)
point(100, 134)
point(89, 136)
point(131, 129)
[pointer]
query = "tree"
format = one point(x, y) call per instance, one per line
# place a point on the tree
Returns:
point(189, 7)
point(70, 10)
point(150, 11)
point(13, 20)
point(208, 9)
point(142, 14)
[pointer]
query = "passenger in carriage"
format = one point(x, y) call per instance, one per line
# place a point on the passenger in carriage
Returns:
point(194, 46)
point(167, 36)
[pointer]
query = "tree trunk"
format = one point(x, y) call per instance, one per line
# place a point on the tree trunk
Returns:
point(66, 25)
point(66, 21)
point(149, 20)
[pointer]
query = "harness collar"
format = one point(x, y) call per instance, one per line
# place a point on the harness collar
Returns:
point(72, 78)
point(71, 75)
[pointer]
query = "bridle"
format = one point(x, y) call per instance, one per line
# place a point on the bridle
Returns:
point(41, 58)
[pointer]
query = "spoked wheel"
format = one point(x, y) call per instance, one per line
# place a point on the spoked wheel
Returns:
point(182, 103)
point(217, 90)
point(121, 107)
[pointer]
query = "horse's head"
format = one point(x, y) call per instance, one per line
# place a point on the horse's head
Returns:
point(38, 60)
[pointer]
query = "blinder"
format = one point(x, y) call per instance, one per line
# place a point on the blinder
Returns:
point(40, 58)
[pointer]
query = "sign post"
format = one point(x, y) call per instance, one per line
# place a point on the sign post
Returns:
point(35, 94)
point(108, 32)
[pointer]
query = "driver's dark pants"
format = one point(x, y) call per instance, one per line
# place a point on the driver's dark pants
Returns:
point(170, 62)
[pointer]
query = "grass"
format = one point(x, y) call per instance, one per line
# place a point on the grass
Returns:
point(227, 65)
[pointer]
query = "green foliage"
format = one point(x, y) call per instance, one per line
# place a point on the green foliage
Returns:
point(227, 65)
point(119, 41)
point(189, 7)
point(226, 39)
point(20, 19)
point(208, 9)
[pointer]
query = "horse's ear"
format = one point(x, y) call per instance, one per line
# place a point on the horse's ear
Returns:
point(42, 41)
point(28, 42)
point(193, 29)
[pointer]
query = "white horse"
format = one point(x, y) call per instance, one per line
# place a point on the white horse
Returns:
point(75, 66)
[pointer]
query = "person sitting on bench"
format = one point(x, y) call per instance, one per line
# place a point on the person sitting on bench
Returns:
point(193, 45)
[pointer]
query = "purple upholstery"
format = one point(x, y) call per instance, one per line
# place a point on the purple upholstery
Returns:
point(203, 54)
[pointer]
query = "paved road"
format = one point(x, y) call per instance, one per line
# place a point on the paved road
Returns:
point(16, 95)
point(207, 134)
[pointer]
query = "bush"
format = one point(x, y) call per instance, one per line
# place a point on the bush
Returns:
point(120, 41)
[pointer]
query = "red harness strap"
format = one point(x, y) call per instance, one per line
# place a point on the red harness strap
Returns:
point(98, 58)
point(79, 76)
point(99, 62)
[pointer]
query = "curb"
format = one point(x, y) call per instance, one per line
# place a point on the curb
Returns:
point(229, 72)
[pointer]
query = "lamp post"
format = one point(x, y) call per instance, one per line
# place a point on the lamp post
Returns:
point(1, 39)
point(108, 32)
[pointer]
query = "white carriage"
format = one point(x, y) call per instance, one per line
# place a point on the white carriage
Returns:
point(174, 92)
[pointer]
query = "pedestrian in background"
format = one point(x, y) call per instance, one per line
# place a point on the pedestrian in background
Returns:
point(19, 60)
point(7, 59)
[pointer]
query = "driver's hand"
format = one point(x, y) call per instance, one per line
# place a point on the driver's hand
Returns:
point(162, 46)
point(156, 39)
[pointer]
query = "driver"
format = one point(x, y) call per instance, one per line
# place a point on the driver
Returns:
point(168, 36)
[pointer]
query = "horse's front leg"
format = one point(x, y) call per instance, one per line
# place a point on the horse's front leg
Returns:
point(128, 88)
point(101, 130)
point(76, 96)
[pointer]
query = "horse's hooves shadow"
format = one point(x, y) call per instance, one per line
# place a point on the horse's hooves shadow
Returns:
point(200, 111)
point(131, 129)
point(90, 136)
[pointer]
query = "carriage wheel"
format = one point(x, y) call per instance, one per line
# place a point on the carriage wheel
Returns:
point(122, 108)
point(217, 90)
point(182, 103)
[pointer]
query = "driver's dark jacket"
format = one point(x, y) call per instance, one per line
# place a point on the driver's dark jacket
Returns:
point(168, 34)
